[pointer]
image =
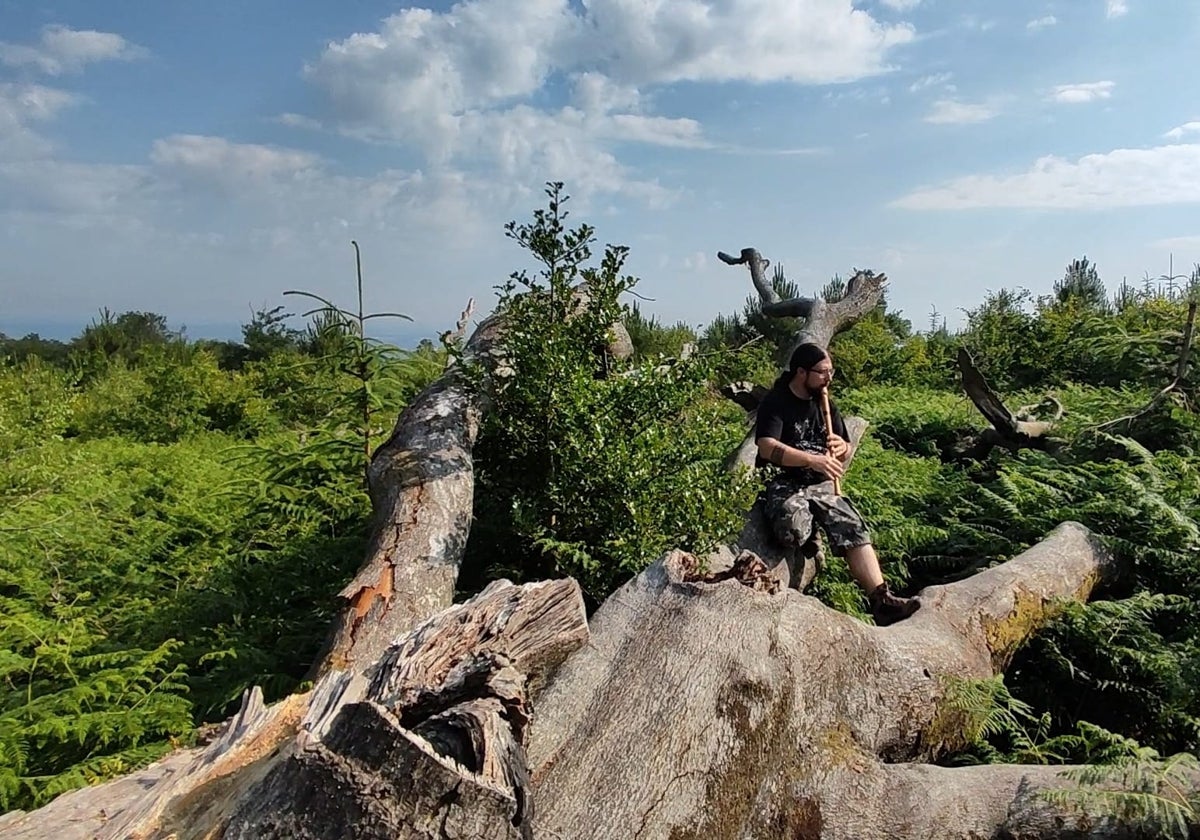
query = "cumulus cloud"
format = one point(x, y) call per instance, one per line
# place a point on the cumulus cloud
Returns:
point(707, 40)
point(216, 156)
point(1082, 93)
point(932, 80)
point(1120, 178)
point(952, 111)
point(459, 85)
point(1187, 128)
point(901, 5)
point(1115, 9)
point(22, 105)
point(1041, 23)
point(63, 50)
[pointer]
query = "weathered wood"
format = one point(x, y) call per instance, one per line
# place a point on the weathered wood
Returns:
point(444, 713)
point(823, 319)
point(759, 702)
point(421, 482)
point(709, 704)
point(435, 745)
point(422, 490)
point(1008, 430)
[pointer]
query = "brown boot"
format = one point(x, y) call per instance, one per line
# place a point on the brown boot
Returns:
point(887, 608)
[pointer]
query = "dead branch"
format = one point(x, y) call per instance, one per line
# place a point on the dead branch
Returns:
point(1181, 367)
point(1007, 430)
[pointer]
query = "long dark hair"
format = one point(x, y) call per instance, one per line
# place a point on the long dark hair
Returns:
point(804, 356)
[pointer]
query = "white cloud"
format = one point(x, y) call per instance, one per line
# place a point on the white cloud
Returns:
point(1041, 23)
point(952, 112)
point(1115, 9)
point(1081, 93)
point(901, 5)
point(22, 104)
point(457, 85)
point(932, 80)
point(64, 50)
point(818, 41)
point(1120, 178)
point(1180, 130)
point(76, 193)
point(298, 121)
point(219, 159)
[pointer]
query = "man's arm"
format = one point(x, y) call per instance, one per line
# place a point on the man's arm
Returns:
point(782, 455)
point(772, 450)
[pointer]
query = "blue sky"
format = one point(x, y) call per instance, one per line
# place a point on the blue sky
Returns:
point(197, 159)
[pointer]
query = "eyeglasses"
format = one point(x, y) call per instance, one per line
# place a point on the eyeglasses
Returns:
point(826, 372)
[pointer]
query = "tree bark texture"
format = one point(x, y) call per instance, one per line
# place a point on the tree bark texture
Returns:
point(422, 487)
point(714, 710)
point(422, 484)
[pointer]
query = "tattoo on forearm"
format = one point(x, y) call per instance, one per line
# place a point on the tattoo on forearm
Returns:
point(775, 456)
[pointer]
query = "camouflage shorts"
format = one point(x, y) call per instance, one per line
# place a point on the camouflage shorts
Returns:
point(793, 510)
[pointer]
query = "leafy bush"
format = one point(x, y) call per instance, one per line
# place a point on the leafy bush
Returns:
point(587, 466)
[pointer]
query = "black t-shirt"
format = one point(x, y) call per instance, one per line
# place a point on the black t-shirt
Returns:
point(798, 423)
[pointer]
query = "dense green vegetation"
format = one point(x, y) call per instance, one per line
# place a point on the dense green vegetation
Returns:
point(178, 515)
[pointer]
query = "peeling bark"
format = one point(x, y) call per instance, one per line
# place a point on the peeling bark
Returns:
point(421, 482)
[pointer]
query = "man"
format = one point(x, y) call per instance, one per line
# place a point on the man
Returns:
point(791, 434)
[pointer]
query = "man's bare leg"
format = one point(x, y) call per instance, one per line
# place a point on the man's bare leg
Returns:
point(864, 567)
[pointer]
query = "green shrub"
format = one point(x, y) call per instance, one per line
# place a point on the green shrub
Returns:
point(587, 466)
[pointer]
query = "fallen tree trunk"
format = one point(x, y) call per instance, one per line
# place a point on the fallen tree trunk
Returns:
point(697, 710)
point(769, 713)
point(1008, 430)
point(422, 491)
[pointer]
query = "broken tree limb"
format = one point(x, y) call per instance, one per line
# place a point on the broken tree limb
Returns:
point(422, 487)
point(421, 482)
point(824, 319)
point(1007, 430)
point(435, 746)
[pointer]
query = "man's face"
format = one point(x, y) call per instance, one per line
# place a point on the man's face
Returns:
point(818, 376)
